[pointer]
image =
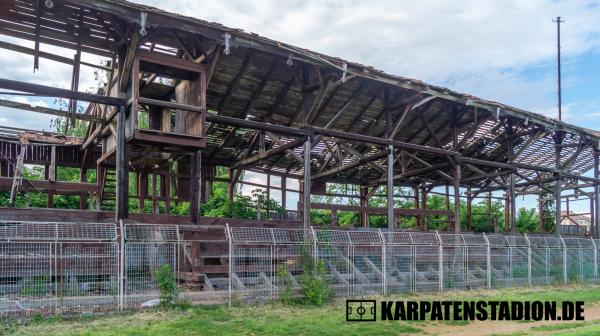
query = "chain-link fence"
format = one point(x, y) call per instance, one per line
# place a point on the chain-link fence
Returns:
point(366, 262)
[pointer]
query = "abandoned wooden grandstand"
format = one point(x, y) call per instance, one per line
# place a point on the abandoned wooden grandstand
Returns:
point(185, 96)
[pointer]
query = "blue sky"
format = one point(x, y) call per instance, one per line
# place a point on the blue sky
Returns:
point(498, 50)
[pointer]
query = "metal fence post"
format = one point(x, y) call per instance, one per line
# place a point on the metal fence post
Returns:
point(122, 266)
point(488, 262)
point(565, 271)
point(272, 267)
point(440, 261)
point(595, 259)
point(528, 259)
point(383, 263)
point(230, 268)
point(314, 241)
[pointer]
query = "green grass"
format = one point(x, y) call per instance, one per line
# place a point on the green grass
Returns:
point(279, 319)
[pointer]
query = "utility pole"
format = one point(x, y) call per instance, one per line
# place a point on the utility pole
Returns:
point(558, 22)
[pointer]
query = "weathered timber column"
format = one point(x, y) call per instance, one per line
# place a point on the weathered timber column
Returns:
point(469, 209)
point(541, 212)
point(507, 211)
point(557, 188)
point(390, 188)
point(268, 210)
point(513, 204)
point(142, 189)
point(122, 166)
point(195, 185)
point(592, 217)
point(489, 211)
point(424, 209)
point(596, 223)
point(306, 184)
point(283, 196)
point(416, 202)
point(165, 181)
point(457, 174)
point(154, 196)
point(231, 185)
point(364, 217)
point(447, 201)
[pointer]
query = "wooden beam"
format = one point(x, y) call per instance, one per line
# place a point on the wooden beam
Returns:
point(125, 68)
point(287, 150)
point(359, 162)
point(268, 153)
point(254, 125)
point(49, 91)
point(48, 186)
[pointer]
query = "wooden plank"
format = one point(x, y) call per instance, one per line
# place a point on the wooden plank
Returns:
point(47, 186)
point(17, 177)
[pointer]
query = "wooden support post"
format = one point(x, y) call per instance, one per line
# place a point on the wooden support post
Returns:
point(424, 221)
point(506, 212)
point(489, 212)
point(154, 196)
point(447, 201)
point(334, 217)
point(592, 218)
point(558, 137)
point(100, 183)
point(195, 175)
point(364, 202)
point(52, 168)
point(3, 168)
point(469, 209)
point(231, 185)
point(50, 193)
point(142, 189)
point(513, 205)
point(122, 167)
point(284, 196)
point(390, 188)
point(457, 175)
point(51, 176)
point(541, 213)
point(306, 184)
point(268, 210)
point(416, 205)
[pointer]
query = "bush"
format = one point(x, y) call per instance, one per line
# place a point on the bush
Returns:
point(313, 281)
point(168, 292)
point(286, 284)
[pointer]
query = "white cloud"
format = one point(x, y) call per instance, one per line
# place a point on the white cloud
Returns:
point(482, 47)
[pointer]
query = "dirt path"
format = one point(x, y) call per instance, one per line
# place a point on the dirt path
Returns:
point(477, 328)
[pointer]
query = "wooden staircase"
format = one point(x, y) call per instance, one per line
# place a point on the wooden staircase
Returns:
point(108, 196)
